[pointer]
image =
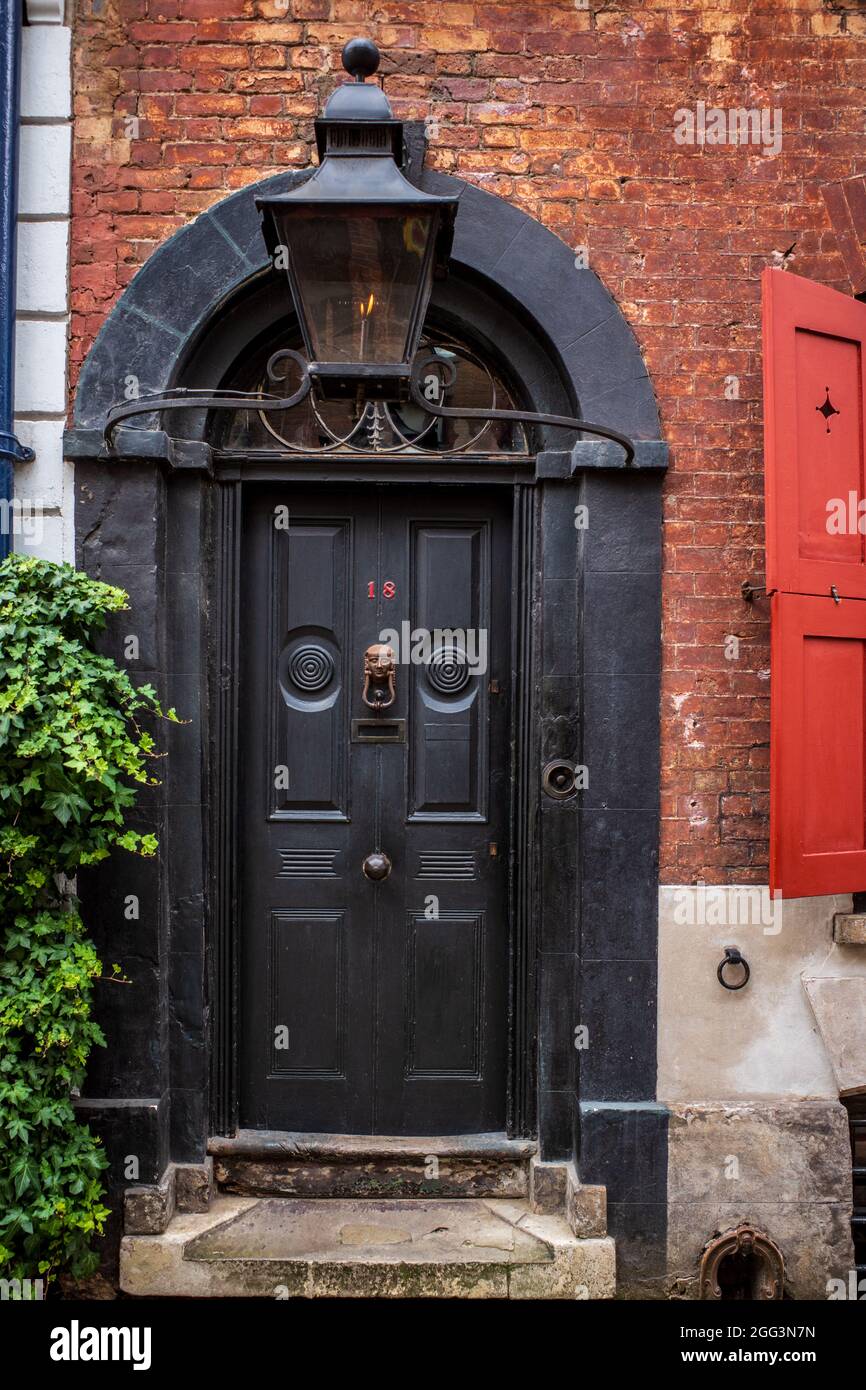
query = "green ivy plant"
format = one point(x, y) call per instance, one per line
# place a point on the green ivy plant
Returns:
point(72, 751)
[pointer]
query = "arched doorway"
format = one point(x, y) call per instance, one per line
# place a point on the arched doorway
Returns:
point(182, 515)
point(389, 1008)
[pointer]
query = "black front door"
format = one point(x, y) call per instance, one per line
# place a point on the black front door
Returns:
point(374, 1006)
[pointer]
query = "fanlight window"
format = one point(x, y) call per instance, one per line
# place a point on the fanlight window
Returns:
point(377, 427)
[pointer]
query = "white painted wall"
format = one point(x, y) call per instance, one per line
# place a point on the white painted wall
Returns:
point(42, 309)
point(761, 1042)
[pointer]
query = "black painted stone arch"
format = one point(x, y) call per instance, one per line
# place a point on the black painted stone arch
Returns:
point(593, 636)
point(188, 280)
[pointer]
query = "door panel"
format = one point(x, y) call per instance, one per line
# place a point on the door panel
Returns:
point(307, 704)
point(450, 572)
point(308, 977)
point(444, 1003)
point(374, 1007)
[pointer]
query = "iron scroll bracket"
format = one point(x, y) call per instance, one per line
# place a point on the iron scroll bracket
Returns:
point(188, 398)
point(523, 417)
point(279, 365)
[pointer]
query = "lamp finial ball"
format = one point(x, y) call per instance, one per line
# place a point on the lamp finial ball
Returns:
point(360, 58)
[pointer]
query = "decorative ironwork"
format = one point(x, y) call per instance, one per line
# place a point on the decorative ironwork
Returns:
point(192, 398)
point(434, 374)
point(422, 364)
point(395, 427)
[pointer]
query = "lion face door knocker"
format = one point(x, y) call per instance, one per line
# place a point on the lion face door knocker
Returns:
point(380, 667)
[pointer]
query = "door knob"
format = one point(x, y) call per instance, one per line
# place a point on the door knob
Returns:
point(376, 866)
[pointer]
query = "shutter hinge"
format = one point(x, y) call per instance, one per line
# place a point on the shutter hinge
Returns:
point(750, 591)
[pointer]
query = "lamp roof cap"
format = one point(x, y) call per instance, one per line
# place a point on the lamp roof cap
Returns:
point(359, 100)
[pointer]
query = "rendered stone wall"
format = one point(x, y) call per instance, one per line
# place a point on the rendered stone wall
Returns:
point(783, 1167)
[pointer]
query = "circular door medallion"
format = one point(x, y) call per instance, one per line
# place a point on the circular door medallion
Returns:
point(310, 667)
point(447, 671)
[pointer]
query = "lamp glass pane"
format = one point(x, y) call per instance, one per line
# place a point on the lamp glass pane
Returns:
point(359, 273)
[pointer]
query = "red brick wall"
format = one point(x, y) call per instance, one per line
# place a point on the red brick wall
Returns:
point(569, 113)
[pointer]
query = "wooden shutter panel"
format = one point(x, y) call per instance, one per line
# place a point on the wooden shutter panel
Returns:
point(817, 746)
point(815, 472)
point(814, 363)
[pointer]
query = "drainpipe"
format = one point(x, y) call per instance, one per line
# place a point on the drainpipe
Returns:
point(10, 96)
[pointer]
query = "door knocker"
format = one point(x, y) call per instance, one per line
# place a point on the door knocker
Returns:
point(379, 676)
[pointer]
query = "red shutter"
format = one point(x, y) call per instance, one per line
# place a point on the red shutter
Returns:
point(814, 363)
point(815, 479)
point(818, 746)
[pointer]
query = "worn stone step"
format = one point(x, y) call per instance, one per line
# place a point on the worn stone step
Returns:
point(324, 1248)
point(269, 1162)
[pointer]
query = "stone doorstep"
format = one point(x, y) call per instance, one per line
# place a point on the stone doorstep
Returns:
point(273, 1143)
point(248, 1247)
point(379, 1178)
point(261, 1163)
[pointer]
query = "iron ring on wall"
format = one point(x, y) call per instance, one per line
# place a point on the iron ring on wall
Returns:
point(733, 956)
